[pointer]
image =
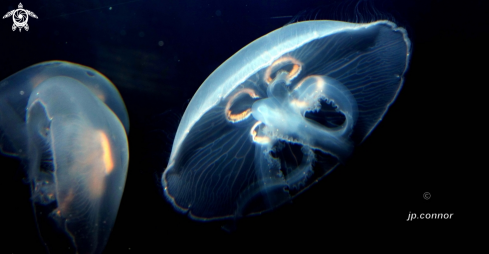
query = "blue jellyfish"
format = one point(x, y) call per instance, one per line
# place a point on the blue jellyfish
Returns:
point(67, 124)
point(281, 113)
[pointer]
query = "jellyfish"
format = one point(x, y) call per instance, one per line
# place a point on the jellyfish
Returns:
point(282, 113)
point(67, 124)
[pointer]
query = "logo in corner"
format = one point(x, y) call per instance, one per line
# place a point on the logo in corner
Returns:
point(20, 17)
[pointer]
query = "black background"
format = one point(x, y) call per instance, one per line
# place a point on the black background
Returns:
point(425, 142)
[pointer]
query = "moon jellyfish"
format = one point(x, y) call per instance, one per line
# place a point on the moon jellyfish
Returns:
point(67, 124)
point(281, 113)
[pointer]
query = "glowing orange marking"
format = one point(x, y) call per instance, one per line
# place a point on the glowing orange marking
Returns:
point(253, 131)
point(101, 97)
point(258, 139)
point(65, 202)
point(97, 91)
point(261, 140)
point(281, 61)
point(237, 117)
point(38, 79)
point(107, 153)
point(319, 79)
point(243, 115)
point(295, 70)
point(300, 104)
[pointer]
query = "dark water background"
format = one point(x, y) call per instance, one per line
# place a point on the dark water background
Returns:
point(158, 53)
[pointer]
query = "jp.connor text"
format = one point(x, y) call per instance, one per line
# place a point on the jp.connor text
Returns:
point(430, 216)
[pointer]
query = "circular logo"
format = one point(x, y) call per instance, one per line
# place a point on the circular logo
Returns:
point(20, 17)
point(426, 195)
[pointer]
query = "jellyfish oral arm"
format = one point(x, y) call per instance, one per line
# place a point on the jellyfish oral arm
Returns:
point(282, 115)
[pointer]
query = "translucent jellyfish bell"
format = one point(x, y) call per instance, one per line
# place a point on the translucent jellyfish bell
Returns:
point(281, 113)
point(67, 123)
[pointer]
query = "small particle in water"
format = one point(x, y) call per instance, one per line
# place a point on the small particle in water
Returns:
point(21, 92)
point(141, 34)
point(218, 13)
point(160, 43)
point(110, 8)
point(123, 32)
